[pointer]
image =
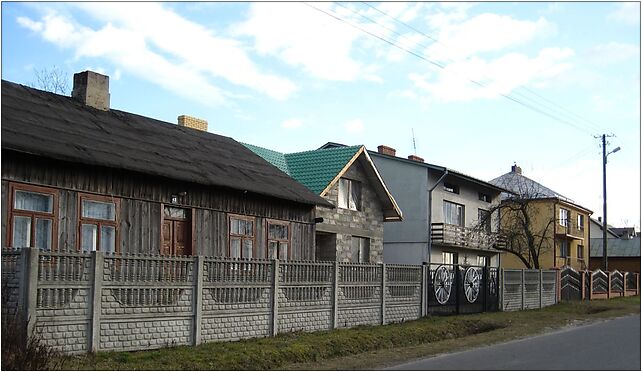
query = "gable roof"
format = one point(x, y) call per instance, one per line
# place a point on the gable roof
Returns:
point(616, 247)
point(320, 169)
point(60, 127)
point(599, 225)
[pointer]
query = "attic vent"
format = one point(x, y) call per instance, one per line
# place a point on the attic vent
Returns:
point(192, 122)
point(92, 89)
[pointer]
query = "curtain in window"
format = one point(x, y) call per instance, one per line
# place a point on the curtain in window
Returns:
point(108, 239)
point(88, 237)
point(21, 232)
point(98, 210)
point(44, 233)
point(344, 189)
point(453, 213)
point(32, 201)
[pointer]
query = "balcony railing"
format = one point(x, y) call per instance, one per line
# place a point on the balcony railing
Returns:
point(443, 233)
point(571, 229)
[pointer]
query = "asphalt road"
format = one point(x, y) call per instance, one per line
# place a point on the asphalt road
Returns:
point(607, 345)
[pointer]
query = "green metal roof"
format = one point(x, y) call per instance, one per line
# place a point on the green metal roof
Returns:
point(616, 247)
point(315, 169)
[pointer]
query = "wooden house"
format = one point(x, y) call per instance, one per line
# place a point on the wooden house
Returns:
point(80, 176)
point(347, 178)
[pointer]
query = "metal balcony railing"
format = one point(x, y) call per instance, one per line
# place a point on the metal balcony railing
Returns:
point(443, 233)
point(571, 229)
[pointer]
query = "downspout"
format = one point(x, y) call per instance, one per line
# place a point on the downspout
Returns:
point(429, 253)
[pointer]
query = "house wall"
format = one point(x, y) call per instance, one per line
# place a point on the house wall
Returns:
point(464, 256)
point(542, 213)
point(346, 223)
point(141, 200)
point(622, 264)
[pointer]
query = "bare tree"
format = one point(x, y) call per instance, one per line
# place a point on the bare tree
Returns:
point(523, 226)
point(52, 80)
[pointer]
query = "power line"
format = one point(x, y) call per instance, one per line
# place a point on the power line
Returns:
point(441, 66)
point(593, 125)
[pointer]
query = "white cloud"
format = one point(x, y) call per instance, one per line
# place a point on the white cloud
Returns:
point(292, 123)
point(612, 52)
point(499, 76)
point(484, 33)
point(304, 37)
point(354, 126)
point(161, 47)
point(628, 13)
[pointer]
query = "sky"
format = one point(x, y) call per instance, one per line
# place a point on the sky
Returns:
point(475, 87)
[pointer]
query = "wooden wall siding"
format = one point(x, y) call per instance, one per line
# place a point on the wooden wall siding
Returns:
point(140, 224)
point(5, 208)
point(107, 181)
point(303, 237)
point(210, 232)
point(67, 221)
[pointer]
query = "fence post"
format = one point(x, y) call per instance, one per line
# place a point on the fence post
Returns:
point(608, 293)
point(23, 281)
point(637, 284)
point(523, 289)
point(424, 291)
point(97, 267)
point(275, 297)
point(197, 296)
point(31, 289)
point(501, 290)
point(558, 285)
point(590, 285)
point(583, 284)
point(335, 295)
point(541, 285)
point(624, 284)
point(383, 293)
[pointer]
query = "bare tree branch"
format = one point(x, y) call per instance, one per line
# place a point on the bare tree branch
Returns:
point(53, 80)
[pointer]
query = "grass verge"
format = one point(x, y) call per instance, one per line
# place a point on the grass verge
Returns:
point(361, 347)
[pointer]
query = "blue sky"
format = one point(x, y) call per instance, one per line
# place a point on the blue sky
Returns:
point(290, 77)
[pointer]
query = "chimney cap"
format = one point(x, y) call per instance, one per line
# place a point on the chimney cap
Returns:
point(516, 169)
point(416, 158)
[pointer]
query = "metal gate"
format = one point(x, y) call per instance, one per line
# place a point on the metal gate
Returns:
point(459, 289)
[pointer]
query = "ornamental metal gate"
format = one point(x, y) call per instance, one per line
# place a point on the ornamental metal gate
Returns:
point(460, 289)
point(570, 284)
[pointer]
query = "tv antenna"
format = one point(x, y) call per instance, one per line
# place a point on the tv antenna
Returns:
point(414, 144)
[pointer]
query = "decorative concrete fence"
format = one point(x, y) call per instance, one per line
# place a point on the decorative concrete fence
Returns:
point(587, 285)
point(528, 289)
point(79, 302)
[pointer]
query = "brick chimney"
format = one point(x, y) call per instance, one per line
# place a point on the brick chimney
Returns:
point(192, 122)
point(516, 169)
point(92, 89)
point(415, 158)
point(383, 149)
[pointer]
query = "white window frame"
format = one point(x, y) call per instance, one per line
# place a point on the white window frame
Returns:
point(563, 217)
point(345, 199)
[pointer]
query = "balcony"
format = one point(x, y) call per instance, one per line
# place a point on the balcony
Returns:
point(571, 230)
point(466, 237)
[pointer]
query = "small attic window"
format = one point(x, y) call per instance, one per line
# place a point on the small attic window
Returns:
point(451, 188)
point(484, 197)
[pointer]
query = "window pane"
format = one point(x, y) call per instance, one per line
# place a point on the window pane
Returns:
point(98, 210)
point(235, 248)
point(481, 260)
point(354, 249)
point(173, 212)
point(447, 258)
point(344, 189)
point(283, 251)
point(108, 239)
point(272, 249)
point(88, 237)
point(235, 226)
point(279, 232)
point(21, 232)
point(33, 201)
point(249, 228)
point(44, 233)
point(355, 195)
point(247, 248)
point(364, 250)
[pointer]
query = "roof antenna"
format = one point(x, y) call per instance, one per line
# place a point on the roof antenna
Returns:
point(414, 144)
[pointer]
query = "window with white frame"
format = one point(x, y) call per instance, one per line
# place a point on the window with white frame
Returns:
point(564, 217)
point(453, 213)
point(97, 223)
point(482, 260)
point(349, 194)
point(580, 221)
point(447, 258)
point(360, 249)
point(33, 217)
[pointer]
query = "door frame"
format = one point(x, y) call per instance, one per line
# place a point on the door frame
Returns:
point(191, 217)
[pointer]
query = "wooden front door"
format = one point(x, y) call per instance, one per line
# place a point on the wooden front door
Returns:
point(177, 239)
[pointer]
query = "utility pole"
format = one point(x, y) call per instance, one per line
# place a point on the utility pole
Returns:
point(605, 258)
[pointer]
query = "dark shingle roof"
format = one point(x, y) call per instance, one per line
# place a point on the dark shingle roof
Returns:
point(526, 187)
point(60, 127)
point(616, 247)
